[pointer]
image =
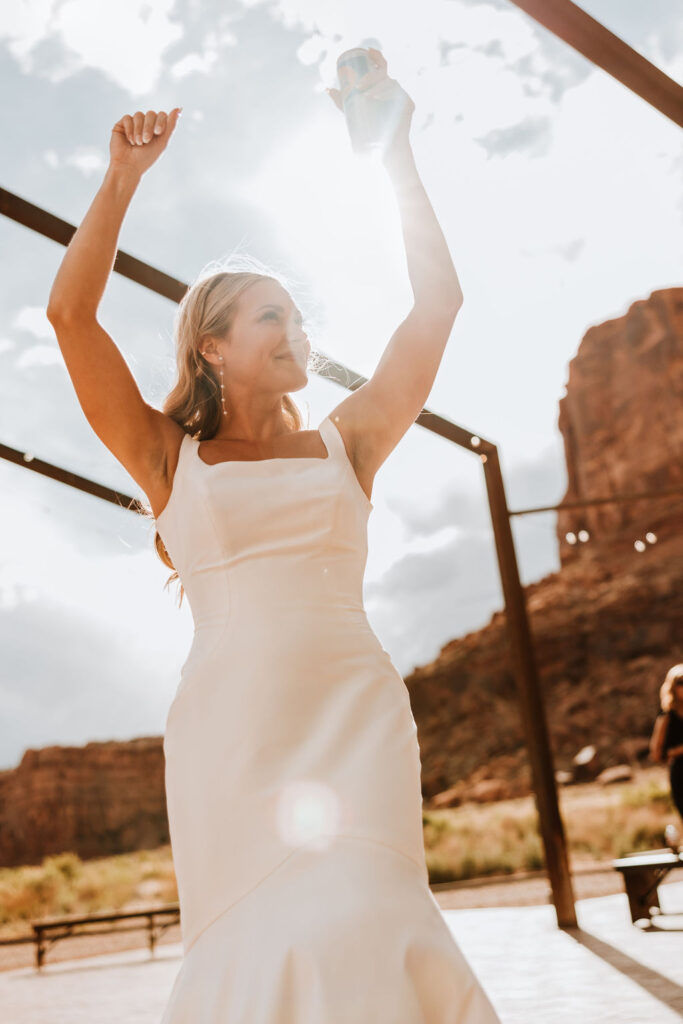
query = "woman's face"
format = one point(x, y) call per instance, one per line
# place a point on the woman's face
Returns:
point(268, 348)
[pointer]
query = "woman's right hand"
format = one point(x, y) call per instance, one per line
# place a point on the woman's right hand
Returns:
point(138, 140)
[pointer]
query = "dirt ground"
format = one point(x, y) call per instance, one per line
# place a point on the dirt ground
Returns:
point(526, 890)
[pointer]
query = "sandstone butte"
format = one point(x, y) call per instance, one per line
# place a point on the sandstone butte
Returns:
point(607, 625)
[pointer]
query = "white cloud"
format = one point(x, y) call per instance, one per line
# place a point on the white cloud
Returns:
point(87, 159)
point(202, 63)
point(25, 24)
point(70, 578)
point(39, 355)
point(125, 40)
point(193, 62)
point(34, 320)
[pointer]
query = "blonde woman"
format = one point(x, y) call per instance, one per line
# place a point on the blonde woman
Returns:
point(292, 761)
point(666, 742)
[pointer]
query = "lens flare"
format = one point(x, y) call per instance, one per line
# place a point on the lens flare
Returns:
point(307, 811)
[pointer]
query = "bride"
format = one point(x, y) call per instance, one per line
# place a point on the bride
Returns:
point(292, 761)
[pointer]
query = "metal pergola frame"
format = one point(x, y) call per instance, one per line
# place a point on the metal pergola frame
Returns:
point(600, 46)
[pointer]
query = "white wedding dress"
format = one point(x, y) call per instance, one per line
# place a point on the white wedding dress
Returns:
point(293, 767)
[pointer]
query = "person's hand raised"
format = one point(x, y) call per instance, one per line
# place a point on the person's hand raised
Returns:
point(139, 139)
point(376, 84)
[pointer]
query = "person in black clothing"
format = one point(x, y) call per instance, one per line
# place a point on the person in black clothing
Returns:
point(666, 743)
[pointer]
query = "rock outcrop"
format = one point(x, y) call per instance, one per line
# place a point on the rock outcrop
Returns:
point(95, 800)
point(609, 624)
point(622, 423)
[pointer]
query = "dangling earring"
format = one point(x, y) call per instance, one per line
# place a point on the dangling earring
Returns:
point(223, 390)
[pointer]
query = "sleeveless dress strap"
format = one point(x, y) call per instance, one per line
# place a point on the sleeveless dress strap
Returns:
point(179, 475)
point(184, 453)
point(334, 442)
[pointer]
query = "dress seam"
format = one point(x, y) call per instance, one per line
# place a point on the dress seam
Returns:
point(280, 863)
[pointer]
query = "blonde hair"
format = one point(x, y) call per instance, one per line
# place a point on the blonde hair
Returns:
point(666, 691)
point(209, 306)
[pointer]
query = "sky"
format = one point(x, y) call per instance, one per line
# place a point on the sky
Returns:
point(560, 194)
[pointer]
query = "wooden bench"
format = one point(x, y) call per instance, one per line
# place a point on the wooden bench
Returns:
point(642, 873)
point(49, 930)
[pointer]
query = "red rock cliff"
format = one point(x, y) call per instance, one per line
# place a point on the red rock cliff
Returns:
point(609, 624)
point(622, 420)
point(95, 800)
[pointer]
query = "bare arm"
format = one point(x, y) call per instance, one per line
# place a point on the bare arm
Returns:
point(657, 739)
point(378, 414)
point(433, 277)
point(106, 390)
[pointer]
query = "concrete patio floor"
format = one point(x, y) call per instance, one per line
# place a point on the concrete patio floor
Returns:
point(605, 972)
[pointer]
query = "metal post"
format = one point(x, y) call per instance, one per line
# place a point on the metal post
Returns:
point(529, 691)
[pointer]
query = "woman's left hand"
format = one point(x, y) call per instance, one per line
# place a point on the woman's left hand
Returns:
point(377, 84)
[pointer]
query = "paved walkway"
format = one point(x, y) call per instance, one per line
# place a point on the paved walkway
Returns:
point(605, 972)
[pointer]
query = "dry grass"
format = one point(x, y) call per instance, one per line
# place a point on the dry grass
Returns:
point(600, 823)
point(465, 842)
point(64, 884)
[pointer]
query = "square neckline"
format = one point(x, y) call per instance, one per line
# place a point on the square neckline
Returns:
point(277, 458)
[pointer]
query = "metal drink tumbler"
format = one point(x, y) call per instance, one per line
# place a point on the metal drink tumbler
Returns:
point(368, 118)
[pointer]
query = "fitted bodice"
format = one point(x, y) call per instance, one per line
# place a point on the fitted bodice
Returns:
point(303, 521)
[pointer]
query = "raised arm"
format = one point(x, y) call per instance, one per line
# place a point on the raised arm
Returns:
point(375, 417)
point(110, 399)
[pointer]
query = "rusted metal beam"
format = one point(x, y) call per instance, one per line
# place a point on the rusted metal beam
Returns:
point(64, 476)
point(619, 499)
point(531, 699)
point(47, 224)
point(597, 44)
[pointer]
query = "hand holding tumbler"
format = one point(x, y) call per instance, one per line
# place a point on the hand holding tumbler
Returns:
point(377, 110)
